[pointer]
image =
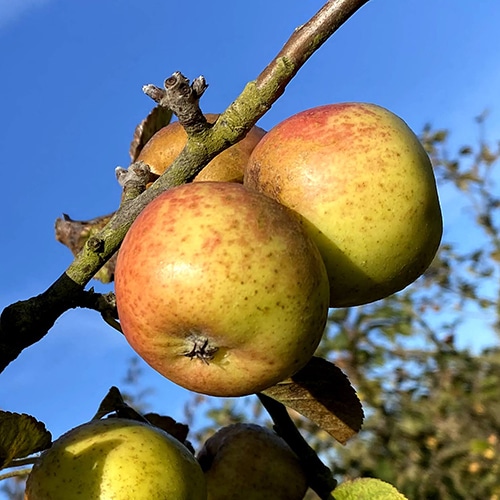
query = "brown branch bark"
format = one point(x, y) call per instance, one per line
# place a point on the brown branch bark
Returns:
point(24, 323)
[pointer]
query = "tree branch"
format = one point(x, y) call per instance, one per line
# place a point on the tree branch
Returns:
point(25, 322)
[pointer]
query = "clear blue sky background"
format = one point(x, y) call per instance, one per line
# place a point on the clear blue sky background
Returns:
point(70, 98)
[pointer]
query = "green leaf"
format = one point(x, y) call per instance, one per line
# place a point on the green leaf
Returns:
point(367, 489)
point(20, 436)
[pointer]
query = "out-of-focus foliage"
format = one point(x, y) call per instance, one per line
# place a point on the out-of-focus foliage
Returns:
point(432, 406)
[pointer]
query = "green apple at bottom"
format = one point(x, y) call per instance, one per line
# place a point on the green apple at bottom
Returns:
point(116, 459)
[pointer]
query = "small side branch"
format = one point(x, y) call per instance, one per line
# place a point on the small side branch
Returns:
point(183, 99)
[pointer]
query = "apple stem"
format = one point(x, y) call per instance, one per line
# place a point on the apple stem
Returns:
point(319, 476)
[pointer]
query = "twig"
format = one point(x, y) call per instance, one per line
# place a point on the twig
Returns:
point(19, 462)
point(15, 473)
point(24, 323)
point(183, 99)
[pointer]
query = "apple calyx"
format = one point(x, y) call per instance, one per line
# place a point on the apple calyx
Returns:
point(202, 349)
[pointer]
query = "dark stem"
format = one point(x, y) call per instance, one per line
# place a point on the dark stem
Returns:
point(319, 476)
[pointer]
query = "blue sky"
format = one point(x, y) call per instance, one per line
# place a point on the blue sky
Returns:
point(70, 98)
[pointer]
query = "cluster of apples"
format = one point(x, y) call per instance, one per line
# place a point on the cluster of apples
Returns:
point(223, 286)
point(124, 459)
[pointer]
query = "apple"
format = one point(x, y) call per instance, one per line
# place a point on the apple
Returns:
point(164, 147)
point(116, 458)
point(366, 488)
point(220, 289)
point(365, 188)
point(250, 462)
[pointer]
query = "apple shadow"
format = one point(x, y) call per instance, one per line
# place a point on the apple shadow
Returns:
point(364, 288)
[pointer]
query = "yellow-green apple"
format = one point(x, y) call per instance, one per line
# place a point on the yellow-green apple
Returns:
point(366, 488)
point(249, 462)
point(365, 188)
point(220, 289)
point(119, 459)
point(164, 147)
